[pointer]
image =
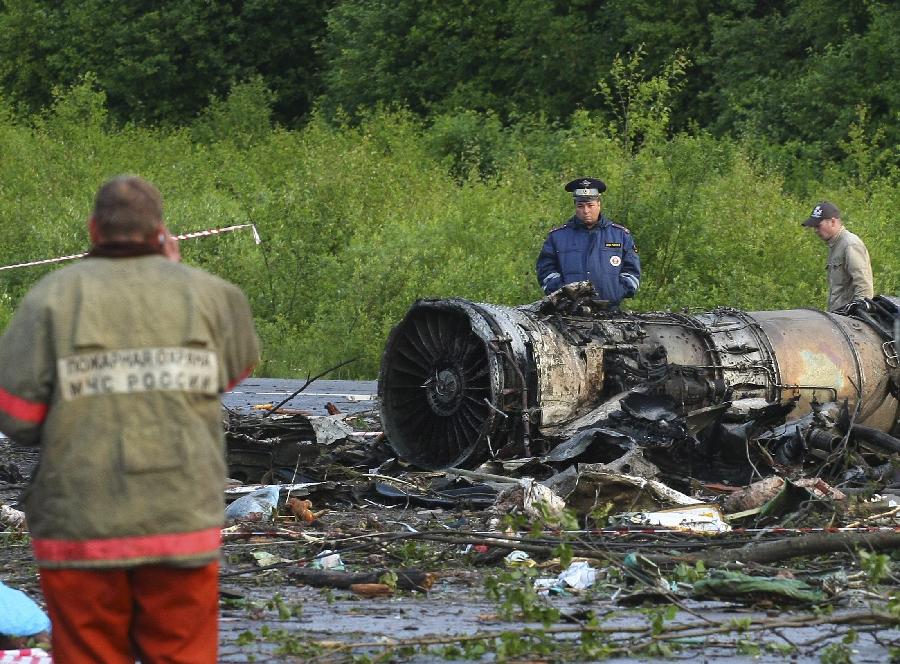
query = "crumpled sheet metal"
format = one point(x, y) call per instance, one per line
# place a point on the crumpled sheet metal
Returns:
point(330, 428)
point(12, 517)
point(626, 493)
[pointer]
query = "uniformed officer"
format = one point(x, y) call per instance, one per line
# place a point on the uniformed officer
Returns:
point(848, 266)
point(590, 247)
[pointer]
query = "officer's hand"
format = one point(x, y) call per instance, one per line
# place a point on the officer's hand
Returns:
point(629, 283)
point(552, 285)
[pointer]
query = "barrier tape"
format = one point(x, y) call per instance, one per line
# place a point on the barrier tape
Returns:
point(183, 236)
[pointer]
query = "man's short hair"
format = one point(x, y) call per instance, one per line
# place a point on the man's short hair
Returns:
point(127, 206)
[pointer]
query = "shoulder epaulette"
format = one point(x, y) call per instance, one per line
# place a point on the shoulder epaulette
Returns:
point(612, 223)
point(558, 228)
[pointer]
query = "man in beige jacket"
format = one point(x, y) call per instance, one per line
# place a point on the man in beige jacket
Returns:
point(848, 266)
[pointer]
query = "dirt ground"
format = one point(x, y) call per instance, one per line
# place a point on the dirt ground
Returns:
point(477, 607)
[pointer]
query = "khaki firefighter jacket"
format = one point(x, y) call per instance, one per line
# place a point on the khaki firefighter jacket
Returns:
point(114, 367)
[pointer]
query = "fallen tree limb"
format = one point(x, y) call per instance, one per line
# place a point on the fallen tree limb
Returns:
point(811, 544)
point(407, 579)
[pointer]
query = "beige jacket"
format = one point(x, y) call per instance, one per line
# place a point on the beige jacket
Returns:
point(849, 270)
point(114, 366)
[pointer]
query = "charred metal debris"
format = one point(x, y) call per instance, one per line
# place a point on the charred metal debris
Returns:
point(565, 389)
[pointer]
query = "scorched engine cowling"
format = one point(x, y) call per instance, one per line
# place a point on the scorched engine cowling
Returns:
point(462, 381)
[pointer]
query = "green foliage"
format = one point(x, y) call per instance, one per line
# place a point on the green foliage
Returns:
point(690, 574)
point(389, 579)
point(788, 77)
point(748, 647)
point(877, 566)
point(529, 57)
point(243, 117)
point(599, 515)
point(565, 519)
point(472, 143)
point(864, 156)
point(278, 604)
point(642, 104)
point(516, 598)
point(800, 74)
point(161, 63)
point(358, 221)
point(839, 653)
point(411, 554)
point(564, 552)
point(659, 616)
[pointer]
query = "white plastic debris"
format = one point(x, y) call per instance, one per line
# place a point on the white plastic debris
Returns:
point(544, 585)
point(328, 560)
point(265, 559)
point(257, 506)
point(518, 558)
point(299, 489)
point(578, 575)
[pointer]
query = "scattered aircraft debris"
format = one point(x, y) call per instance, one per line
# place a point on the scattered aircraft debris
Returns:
point(674, 457)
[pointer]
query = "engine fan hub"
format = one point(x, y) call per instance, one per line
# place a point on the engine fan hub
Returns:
point(445, 390)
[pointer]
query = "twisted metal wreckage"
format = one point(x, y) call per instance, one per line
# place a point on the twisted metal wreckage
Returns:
point(564, 386)
point(722, 395)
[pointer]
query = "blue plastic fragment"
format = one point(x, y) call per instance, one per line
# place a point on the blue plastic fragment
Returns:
point(19, 614)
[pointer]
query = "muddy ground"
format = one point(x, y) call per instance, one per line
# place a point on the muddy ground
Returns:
point(267, 616)
point(477, 607)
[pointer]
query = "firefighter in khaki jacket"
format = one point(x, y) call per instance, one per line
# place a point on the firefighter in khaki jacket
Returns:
point(113, 366)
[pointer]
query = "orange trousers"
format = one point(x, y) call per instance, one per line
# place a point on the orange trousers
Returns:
point(154, 613)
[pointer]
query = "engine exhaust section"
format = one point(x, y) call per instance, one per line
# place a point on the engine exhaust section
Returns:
point(461, 382)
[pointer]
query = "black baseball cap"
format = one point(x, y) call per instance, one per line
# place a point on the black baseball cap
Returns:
point(823, 210)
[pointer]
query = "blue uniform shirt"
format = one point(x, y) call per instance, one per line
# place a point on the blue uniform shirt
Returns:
point(604, 255)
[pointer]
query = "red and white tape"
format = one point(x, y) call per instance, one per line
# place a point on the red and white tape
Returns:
point(183, 236)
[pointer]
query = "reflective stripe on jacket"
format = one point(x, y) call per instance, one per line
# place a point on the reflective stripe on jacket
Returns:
point(114, 367)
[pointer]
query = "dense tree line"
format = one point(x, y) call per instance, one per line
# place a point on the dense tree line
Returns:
point(388, 151)
point(795, 74)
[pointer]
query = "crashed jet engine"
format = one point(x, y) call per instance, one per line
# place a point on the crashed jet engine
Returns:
point(461, 381)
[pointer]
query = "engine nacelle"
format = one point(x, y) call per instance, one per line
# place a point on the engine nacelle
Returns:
point(462, 381)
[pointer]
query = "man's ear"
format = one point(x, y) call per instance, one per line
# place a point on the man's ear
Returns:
point(94, 231)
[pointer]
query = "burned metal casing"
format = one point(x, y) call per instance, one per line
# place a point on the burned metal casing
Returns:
point(462, 381)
